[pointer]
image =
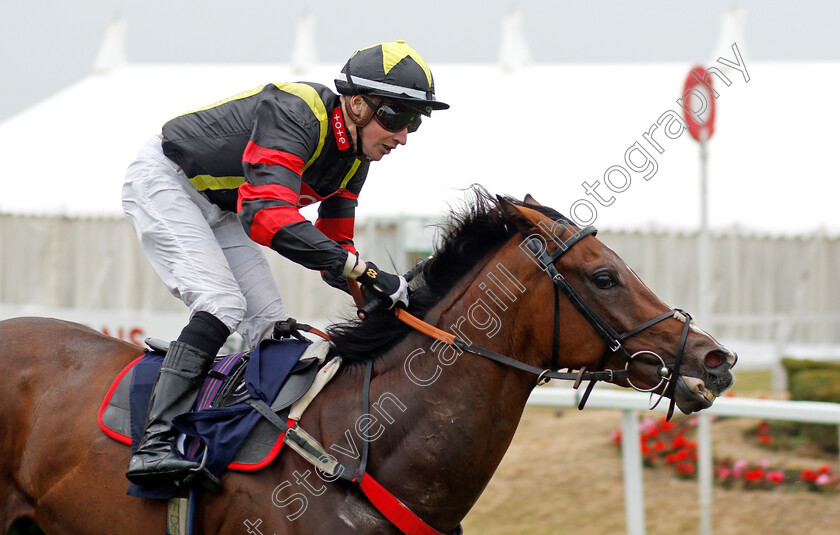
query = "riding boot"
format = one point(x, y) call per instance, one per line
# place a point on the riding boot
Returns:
point(157, 458)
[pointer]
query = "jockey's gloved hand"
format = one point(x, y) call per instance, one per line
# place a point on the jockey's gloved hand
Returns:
point(336, 281)
point(392, 288)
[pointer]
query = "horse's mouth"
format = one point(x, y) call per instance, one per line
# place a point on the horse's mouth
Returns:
point(694, 395)
point(691, 393)
point(698, 387)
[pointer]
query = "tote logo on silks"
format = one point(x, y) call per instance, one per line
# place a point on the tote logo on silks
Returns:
point(338, 129)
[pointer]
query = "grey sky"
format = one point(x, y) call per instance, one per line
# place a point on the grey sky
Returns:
point(46, 45)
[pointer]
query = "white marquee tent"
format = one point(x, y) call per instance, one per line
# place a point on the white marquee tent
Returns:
point(539, 129)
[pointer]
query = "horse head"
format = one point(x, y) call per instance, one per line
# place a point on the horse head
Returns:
point(629, 327)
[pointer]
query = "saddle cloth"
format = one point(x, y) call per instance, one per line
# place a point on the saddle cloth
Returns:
point(235, 435)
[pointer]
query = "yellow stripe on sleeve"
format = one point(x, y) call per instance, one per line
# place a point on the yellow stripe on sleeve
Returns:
point(204, 182)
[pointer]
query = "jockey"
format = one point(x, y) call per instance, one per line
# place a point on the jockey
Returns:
point(220, 181)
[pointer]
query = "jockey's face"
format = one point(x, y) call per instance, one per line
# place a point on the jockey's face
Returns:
point(377, 141)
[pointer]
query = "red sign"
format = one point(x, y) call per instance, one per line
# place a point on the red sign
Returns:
point(698, 103)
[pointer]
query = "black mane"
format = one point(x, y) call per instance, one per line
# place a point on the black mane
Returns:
point(467, 236)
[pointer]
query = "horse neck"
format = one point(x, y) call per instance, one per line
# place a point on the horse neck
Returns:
point(461, 410)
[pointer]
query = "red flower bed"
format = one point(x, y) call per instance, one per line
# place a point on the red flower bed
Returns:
point(668, 445)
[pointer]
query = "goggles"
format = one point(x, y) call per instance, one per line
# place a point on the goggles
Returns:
point(394, 118)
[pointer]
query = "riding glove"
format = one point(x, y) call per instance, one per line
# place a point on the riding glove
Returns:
point(392, 288)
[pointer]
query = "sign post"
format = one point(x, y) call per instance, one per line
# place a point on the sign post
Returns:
point(698, 104)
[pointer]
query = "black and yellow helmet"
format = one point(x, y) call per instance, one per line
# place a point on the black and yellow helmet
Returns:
point(390, 70)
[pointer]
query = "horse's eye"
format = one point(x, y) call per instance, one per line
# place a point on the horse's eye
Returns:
point(603, 280)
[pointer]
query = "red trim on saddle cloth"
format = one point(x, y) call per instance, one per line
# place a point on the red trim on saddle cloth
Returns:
point(244, 467)
point(393, 509)
point(125, 439)
point(119, 437)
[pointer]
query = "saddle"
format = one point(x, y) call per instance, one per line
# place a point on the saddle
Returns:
point(224, 431)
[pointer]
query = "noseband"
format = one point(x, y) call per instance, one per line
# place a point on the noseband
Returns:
point(614, 340)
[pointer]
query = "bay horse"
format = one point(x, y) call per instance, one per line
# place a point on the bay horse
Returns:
point(440, 419)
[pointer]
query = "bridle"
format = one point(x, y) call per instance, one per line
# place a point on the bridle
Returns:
point(613, 339)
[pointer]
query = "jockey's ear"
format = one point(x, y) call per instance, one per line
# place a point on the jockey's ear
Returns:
point(357, 109)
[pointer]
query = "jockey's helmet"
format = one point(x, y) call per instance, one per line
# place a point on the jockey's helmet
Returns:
point(394, 71)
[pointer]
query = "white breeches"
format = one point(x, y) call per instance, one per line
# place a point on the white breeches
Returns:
point(201, 252)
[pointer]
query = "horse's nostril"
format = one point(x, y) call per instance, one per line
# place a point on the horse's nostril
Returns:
point(713, 359)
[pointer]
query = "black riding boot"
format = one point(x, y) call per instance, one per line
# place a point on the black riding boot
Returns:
point(157, 459)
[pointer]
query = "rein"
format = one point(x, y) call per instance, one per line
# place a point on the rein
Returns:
point(543, 375)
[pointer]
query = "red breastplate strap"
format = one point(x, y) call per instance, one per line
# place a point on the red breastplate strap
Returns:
point(393, 509)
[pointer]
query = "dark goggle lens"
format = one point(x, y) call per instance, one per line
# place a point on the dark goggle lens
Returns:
point(395, 118)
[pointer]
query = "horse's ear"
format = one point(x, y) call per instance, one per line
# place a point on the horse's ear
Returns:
point(530, 200)
point(518, 215)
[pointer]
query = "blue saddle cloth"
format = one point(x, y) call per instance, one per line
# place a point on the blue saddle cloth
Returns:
point(221, 430)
